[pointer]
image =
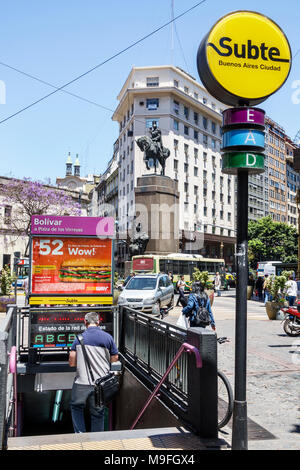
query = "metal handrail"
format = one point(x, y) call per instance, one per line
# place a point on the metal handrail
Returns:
point(185, 347)
point(8, 334)
point(14, 401)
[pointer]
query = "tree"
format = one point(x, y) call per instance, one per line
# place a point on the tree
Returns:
point(27, 198)
point(6, 280)
point(271, 241)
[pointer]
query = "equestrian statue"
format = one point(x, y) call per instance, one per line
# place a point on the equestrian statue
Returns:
point(154, 149)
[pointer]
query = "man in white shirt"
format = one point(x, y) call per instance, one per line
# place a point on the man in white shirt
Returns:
point(291, 291)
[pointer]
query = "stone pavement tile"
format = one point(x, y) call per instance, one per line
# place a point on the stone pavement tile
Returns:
point(103, 445)
point(182, 442)
point(66, 446)
point(142, 443)
point(24, 448)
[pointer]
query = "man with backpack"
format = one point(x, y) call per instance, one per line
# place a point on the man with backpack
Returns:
point(198, 308)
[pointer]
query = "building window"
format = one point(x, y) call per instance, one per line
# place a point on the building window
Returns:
point(186, 130)
point(176, 107)
point(204, 122)
point(195, 171)
point(175, 125)
point(152, 103)
point(149, 122)
point(7, 214)
point(186, 89)
point(196, 135)
point(176, 83)
point(152, 81)
point(186, 112)
point(175, 165)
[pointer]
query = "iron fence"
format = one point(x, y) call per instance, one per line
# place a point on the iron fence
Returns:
point(8, 336)
point(150, 345)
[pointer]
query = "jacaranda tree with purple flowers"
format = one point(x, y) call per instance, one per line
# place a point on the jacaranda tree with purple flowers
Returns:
point(26, 198)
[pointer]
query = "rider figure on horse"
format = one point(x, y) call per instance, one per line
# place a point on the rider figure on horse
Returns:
point(156, 137)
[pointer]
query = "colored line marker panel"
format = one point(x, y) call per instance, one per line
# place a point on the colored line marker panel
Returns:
point(254, 163)
point(252, 139)
point(244, 116)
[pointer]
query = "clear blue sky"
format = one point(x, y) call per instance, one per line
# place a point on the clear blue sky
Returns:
point(59, 40)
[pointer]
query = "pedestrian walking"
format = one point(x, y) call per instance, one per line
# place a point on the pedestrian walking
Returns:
point(259, 287)
point(291, 291)
point(198, 298)
point(217, 284)
point(101, 351)
point(267, 295)
point(181, 285)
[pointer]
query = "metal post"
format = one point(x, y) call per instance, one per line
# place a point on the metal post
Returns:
point(298, 207)
point(239, 429)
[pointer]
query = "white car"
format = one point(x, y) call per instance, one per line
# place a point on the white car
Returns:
point(148, 293)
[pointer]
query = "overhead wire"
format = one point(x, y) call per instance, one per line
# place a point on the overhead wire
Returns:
point(101, 64)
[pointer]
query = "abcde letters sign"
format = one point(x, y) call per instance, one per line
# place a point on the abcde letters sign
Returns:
point(244, 58)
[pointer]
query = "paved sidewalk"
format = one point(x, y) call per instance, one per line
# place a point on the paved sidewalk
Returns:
point(273, 372)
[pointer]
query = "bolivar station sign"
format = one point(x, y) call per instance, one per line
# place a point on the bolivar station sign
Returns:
point(71, 260)
point(244, 58)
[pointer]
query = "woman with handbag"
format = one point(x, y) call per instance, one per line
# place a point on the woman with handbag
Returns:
point(91, 354)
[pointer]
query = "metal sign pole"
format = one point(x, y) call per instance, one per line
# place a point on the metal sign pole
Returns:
point(239, 429)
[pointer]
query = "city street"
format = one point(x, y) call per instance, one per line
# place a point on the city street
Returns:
point(273, 373)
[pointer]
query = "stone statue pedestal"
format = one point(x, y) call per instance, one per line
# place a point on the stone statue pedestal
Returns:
point(157, 210)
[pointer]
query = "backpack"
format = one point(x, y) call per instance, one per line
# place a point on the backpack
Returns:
point(202, 317)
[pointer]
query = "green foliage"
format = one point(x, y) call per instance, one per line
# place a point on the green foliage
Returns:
point(287, 274)
point(271, 241)
point(276, 287)
point(6, 280)
point(116, 278)
point(203, 277)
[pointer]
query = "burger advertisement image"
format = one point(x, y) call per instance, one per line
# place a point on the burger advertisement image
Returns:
point(71, 266)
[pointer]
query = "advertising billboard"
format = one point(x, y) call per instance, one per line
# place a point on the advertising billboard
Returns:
point(71, 266)
point(71, 260)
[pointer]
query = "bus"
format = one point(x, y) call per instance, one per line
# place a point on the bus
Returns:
point(178, 264)
point(274, 268)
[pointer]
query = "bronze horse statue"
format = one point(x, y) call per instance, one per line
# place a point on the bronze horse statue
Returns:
point(153, 151)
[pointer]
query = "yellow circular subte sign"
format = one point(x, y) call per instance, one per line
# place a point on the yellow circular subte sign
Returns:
point(247, 54)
